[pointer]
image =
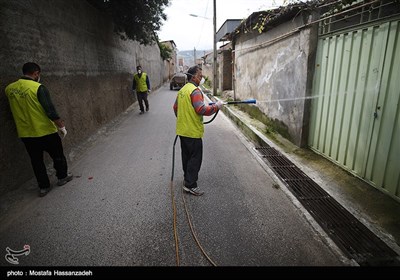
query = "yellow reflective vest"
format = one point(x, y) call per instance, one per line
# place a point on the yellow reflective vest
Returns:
point(29, 116)
point(141, 85)
point(188, 122)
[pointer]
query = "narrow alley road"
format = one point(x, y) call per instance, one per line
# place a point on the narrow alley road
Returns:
point(117, 211)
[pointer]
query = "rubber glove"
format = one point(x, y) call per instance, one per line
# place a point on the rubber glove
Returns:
point(219, 104)
point(149, 90)
point(63, 131)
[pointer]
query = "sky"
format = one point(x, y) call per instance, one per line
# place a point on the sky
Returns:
point(190, 32)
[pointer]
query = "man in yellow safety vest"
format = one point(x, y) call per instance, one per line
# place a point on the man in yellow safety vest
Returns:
point(141, 84)
point(189, 108)
point(37, 123)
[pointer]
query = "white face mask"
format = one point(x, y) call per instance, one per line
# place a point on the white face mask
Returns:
point(38, 80)
point(202, 81)
point(139, 71)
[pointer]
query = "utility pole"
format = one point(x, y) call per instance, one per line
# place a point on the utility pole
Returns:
point(215, 46)
point(194, 56)
point(215, 50)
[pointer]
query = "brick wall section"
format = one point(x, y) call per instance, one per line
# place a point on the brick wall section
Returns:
point(85, 65)
point(227, 70)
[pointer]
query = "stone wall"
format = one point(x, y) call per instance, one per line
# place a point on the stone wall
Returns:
point(86, 67)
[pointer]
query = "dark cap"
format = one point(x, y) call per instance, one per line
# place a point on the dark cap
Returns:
point(192, 71)
point(30, 67)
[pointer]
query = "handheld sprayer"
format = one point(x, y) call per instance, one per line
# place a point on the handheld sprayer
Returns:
point(249, 101)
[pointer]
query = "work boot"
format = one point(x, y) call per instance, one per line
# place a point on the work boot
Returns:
point(63, 181)
point(44, 191)
point(195, 191)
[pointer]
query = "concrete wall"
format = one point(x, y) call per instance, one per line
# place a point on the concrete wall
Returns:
point(207, 66)
point(208, 71)
point(86, 67)
point(278, 65)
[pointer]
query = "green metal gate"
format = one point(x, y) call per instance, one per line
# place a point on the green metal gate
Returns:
point(355, 116)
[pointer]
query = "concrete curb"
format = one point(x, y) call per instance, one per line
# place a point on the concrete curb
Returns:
point(254, 135)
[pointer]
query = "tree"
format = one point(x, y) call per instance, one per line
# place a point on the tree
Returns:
point(165, 51)
point(135, 19)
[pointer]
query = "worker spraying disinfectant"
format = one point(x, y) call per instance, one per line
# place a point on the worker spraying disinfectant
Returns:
point(189, 110)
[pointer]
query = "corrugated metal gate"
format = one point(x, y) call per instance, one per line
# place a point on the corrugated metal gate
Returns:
point(355, 116)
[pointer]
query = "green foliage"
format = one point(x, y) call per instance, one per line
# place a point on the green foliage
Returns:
point(207, 83)
point(265, 17)
point(165, 51)
point(135, 19)
point(260, 24)
point(340, 5)
point(272, 126)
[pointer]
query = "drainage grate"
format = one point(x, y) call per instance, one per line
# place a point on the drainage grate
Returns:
point(349, 234)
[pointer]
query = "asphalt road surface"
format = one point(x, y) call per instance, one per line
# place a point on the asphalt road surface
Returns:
point(118, 209)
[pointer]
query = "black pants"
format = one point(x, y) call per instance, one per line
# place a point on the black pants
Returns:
point(142, 96)
point(53, 146)
point(192, 156)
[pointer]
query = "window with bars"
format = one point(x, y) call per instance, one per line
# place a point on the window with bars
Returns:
point(360, 14)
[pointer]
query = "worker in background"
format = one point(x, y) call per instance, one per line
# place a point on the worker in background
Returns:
point(141, 85)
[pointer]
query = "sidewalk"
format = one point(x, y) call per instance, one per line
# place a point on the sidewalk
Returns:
point(377, 211)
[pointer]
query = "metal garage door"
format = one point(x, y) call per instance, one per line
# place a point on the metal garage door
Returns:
point(355, 118)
